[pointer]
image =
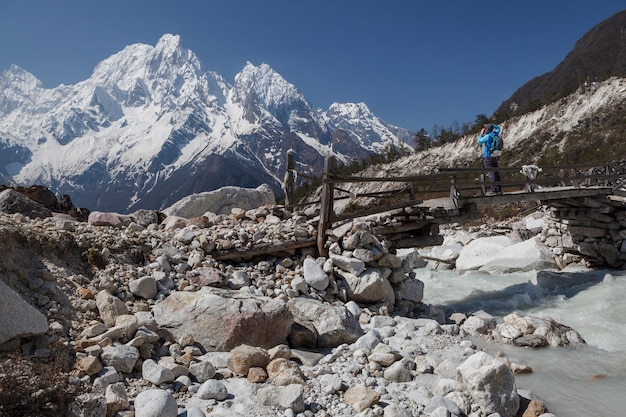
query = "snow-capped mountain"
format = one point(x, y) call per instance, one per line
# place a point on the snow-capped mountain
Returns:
point(152, 125)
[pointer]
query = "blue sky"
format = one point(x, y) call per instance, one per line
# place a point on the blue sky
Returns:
point(414, 63)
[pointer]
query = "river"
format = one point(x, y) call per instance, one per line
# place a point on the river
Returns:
point(572, 382)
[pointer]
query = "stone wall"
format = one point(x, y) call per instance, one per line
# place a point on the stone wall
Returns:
point(589, 231)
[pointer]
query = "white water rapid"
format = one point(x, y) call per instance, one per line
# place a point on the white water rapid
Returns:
point(572, 382)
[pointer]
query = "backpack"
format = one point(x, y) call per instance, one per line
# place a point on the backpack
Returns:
point(497, 144)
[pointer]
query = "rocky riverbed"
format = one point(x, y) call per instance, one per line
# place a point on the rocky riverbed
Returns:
point(138, 318)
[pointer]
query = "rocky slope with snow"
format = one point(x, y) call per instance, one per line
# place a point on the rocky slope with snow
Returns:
point(152, 125)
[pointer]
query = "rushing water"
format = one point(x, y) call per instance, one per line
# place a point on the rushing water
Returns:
point(572, 382)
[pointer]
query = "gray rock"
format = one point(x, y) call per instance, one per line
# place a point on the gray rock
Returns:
point(398, 372)
point(238, 280)
point(145, 217)
point(490, 383)
point(155, 403)
point(314, 275)
point(220, 320)
point(347, 264)
point(212, 390)
point(153, 372)
point(116, 397)
point(98, 218)
point(144, 287)
point(122, 358)
point(411, 290)
point(17, 317)
point(285, 397)
point(334, 325)
point(477, 325)
point(202, 370)
point(110, 307)
point(395, 410)
point(438, 402)
point(368, 287)
point(108, 375)
point(368, 341)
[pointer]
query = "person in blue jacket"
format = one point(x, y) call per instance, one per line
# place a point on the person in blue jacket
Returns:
point(490, 160)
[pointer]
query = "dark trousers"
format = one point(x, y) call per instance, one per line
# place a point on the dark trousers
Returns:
point(494, 176)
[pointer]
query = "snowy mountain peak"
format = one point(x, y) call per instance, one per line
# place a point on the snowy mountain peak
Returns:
point(169, 42)
point(17, 77)
point(354, 111)
point(16, 86)
point(152, 125)
point(271, 88)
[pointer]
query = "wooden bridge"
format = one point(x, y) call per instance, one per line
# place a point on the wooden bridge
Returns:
point(421, 203)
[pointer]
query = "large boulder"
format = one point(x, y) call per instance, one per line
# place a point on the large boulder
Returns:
point(220, 320)
point(528, 255)
point(12, 202)
point(490, 383)
point(333, 325)
point(221, 201)
point(40, 194)
point(17, 317)
point(479, 251)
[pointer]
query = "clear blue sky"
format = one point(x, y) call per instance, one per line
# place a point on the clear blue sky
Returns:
point(414, 63)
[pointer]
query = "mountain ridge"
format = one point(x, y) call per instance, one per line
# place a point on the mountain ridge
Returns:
point(597, 55)
point(148, 114)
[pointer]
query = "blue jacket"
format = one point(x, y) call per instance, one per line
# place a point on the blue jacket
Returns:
point(487, 140)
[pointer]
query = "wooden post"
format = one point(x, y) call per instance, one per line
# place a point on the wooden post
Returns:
point(289, 180)
point(483, 187)
point(573, 174)
point(326, 205)
point(454, 193)
point(412, 190)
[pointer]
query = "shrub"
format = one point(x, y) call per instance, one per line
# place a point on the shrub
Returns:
point(31, 388)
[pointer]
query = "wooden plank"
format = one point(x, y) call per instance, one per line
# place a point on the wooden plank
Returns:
point(376, 210)
point(401, 227)
point(585, 223)
point(585, 214)
point(418, 242)
point(247, 253)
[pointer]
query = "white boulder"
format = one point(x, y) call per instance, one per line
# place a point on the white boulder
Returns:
point(221, 201)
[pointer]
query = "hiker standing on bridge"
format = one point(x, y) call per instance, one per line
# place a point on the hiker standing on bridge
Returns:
point(488, 136)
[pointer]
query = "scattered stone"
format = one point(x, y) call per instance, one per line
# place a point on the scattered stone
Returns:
point(155, 403)
point(110, 307)
point(212, 390)
point(360, 397)
point(244, 357)
point(122, 358)
point(314, 275)
point(144, 287)
point(284, 397)
point(153, 372)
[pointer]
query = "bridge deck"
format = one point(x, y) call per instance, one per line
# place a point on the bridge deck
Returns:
point(541, 194)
